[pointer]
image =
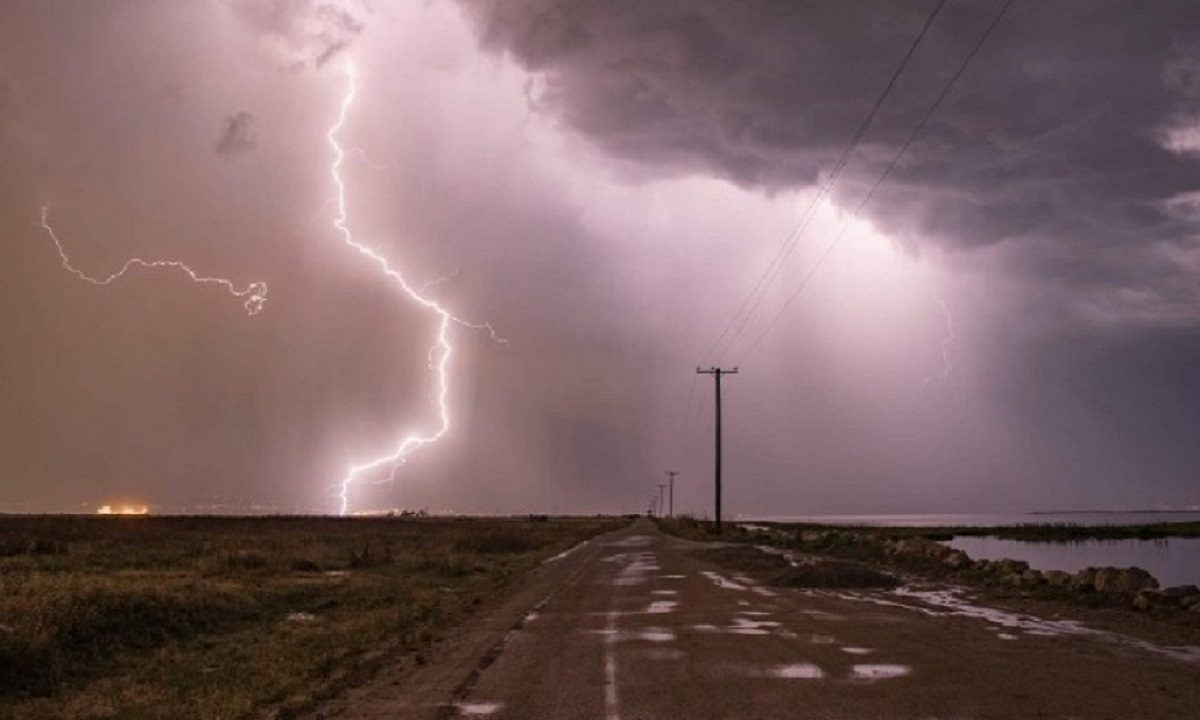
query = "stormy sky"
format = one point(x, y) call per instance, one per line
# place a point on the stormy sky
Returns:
point(1009, 321)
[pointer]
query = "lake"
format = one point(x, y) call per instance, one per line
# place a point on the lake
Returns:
point(992, 519)
point(1172, 561)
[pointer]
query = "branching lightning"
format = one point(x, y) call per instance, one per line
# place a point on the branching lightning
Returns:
point(254, 295)
point(947, 340)
point(439, 353)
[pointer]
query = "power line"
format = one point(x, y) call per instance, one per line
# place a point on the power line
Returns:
point(752, 301)
point(887, 172)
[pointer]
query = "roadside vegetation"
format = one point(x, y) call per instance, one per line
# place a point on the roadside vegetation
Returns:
point(197, 617)
point(922, 552)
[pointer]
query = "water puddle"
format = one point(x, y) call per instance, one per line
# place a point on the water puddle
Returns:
point(663, 654)
point(636, 570)
point(477, 709)
point(721, 581)
point(660, 607)
point(565, 553)
point(879, 672)
point(858, 650)
point(631, 542)
point(740, 626)
point(653, 634)
point(953, 602)
point(797, 671)
point(823, 616)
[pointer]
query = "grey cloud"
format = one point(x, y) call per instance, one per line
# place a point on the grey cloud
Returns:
point(239, 135)
point(303, 33)
point(1051, 145)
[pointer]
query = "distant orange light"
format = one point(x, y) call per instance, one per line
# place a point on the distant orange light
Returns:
point(122, 510)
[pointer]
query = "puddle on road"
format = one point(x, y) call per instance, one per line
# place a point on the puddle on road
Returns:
point(879, 672)
point(477, 709)
point(823, 616)
point(753, 586)
point(660, 607)
point(797, 671)
point(740, 626)
point(953, 602)
point(637, 567)
point(858, 650)
point(565, 553)
point(654, 634)
point(631, 542)
point(664, 654)
point(664, 592)
point(721, 581)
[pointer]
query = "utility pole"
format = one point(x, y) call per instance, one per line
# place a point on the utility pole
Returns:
point(717, 372)
point(671, 474)
point(661, 486)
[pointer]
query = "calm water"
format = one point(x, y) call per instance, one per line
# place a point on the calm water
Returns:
point(1173, 561)
point(994, 519)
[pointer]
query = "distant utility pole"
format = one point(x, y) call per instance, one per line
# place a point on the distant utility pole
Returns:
point(717, 372)
point(661, 487)
point(671, 474)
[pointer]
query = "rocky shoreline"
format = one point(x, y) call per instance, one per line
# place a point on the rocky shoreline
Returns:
point(1130, 587)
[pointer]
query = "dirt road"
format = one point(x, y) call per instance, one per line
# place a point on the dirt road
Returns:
point(633, 625)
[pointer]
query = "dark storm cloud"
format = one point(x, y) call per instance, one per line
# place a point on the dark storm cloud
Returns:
point(238, 135)
point(1071, 141)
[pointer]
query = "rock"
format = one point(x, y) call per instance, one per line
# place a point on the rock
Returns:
point(1013, 579)
point(1032, 577)
point(1149, 599)
point(957, 559)
point(1057, 578)
point(938, 550)
point(1182, 591)
point(1084, 580)
point(1008, 566)
point(1124, 580)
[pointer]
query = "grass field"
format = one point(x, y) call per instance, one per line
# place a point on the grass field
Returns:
point(180, 617)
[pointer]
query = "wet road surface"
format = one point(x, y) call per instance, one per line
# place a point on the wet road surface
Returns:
point(634, 626)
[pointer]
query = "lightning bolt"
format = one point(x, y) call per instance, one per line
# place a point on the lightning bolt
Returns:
point(439, 353)
point(254, 295)
point(947, 340)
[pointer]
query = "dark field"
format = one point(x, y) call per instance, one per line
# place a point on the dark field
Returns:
point(157, 617)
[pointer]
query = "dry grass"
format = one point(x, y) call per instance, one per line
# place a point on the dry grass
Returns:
point(145, 617)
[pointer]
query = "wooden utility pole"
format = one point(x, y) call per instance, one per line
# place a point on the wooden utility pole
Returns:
point(671, 493)
point(717, 372)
